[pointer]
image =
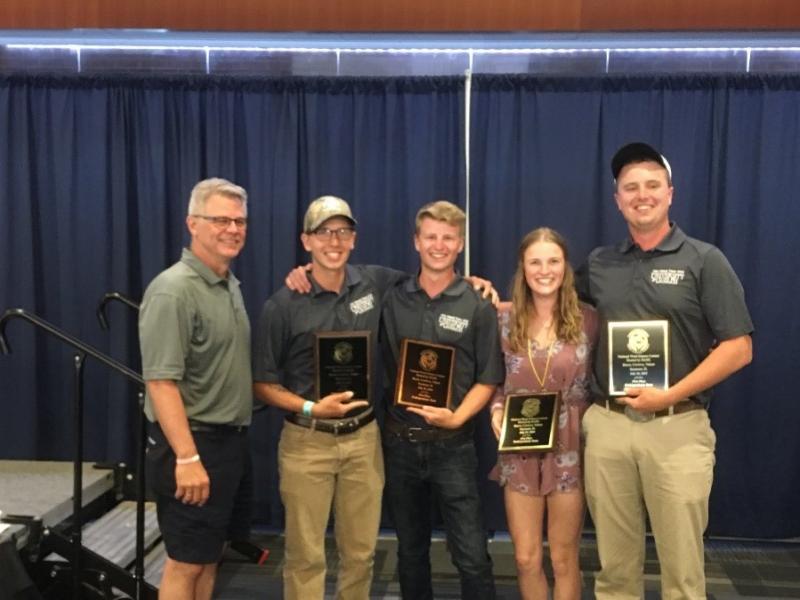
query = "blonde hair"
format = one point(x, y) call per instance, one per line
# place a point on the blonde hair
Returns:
point(445, 211)
point(568, 317)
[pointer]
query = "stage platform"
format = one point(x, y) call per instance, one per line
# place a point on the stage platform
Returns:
point(42, 490)
point(36, 500)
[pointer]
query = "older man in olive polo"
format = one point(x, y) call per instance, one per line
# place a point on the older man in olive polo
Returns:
point(195, 341)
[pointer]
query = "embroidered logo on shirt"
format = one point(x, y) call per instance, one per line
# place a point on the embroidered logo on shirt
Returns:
point(667, 276)
point(452, 323)
point(362, 305)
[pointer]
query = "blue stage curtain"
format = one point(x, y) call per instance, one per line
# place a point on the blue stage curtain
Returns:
point(541, 149)
point(95, 175)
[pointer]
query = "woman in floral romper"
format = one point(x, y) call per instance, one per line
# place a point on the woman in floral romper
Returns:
point(548, 337)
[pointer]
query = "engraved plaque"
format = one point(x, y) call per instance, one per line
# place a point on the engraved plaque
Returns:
point(342, 363)
point(530, 422)
point(638, 355)
point(425, 374)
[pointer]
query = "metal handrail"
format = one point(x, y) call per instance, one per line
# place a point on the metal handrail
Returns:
point(101, 308)
point(84, 350)
point(138, 567)
point(21, 313)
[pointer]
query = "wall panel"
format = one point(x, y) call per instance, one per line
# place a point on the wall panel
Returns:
point(403, 15)
point(287, 15)
point(632, 15)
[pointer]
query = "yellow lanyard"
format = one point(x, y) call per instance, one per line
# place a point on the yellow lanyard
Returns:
point(543, 378)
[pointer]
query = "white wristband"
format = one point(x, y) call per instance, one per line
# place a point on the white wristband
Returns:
point(187, 461)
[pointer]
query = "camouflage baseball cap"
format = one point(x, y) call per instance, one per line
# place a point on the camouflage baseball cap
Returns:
point(324, 208)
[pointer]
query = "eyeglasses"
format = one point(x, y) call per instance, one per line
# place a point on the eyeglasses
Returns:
point(224, 222)
point(343, 233)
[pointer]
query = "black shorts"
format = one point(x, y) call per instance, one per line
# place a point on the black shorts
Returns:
point(197, 534)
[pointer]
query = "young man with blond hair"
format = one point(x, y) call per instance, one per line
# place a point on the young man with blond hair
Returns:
point(429, 451)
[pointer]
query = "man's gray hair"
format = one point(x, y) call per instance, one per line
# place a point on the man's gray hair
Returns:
point(211, 187)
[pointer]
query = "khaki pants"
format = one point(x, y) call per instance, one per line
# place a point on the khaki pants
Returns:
point(665, 467)
point(318, 470)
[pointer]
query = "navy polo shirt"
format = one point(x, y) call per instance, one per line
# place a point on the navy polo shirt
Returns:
point(283, 350)
point(683, 280)
point(457, 317)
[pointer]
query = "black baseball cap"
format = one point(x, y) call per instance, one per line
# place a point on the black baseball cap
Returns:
point(637, 152)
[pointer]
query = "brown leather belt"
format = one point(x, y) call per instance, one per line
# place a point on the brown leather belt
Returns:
point(676, 409)
point(424, 434)
point(333, 426)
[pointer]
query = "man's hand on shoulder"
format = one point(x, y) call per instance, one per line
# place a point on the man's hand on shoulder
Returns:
point(485, 288)
point(297, 279)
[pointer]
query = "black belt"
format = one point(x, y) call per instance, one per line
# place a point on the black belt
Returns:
point(676, 409)
point(199, 427)
point(414, 434)
point(335, 427)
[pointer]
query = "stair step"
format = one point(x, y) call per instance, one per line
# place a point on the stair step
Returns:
point(113, 536)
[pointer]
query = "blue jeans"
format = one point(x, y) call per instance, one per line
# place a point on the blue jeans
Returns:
point(442, 471)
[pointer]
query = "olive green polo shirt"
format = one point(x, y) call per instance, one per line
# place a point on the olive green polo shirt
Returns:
point(193, 329)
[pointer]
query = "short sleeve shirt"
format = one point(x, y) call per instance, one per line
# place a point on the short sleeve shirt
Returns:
point(283, 350)
point(457, 317)
point(683, 280)
point(194, 330)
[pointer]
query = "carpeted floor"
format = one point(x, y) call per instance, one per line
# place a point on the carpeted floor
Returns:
point(735, 570)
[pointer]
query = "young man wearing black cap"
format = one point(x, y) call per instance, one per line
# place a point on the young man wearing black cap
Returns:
point(650, 451)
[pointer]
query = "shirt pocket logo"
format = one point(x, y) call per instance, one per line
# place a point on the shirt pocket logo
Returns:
point(453, 323)
point(199, 330)
point(667, 276)
point(363, 304)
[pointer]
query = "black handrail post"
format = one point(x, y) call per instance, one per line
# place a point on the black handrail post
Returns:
point(77, 477)
point(141, 427)
point(138, 571)
point(101, 308)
